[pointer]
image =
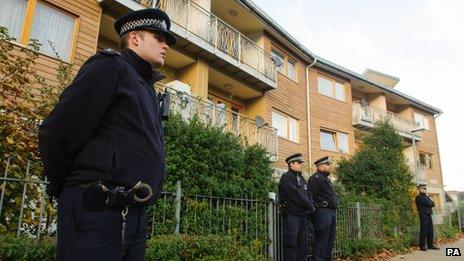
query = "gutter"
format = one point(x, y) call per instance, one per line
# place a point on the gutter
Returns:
point(308, 108)
point(274, 25)
point(350, 74)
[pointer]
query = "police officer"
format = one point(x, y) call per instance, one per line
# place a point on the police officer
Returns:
point(424, 207)
point(297, 204)
point(102, 145)
point(326, 203)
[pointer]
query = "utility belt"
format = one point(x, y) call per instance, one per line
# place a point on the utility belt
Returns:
point(323, 204)
point(101, 195)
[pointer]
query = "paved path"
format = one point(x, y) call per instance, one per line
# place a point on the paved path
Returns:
point(433, 255)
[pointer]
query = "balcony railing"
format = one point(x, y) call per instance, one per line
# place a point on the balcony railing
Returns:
point(367, 116)
point(419, 173)
point(220, 35)
point(229, 121)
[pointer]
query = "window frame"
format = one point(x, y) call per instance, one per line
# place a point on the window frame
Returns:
point(27, 24)
point(336, 137)
point(424, 120)
point(429, 162)
point(288, 131)
point(286, 59)
point(333, 87)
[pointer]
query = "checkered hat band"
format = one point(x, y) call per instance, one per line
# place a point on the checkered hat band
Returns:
point(295, 159)
point(142, 23)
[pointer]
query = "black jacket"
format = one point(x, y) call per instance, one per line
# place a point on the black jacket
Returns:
point(322, 190)
point(106, 126)
point(424, 204)
point(294, 194)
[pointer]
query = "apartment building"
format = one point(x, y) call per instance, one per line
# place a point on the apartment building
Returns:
point(238, 69)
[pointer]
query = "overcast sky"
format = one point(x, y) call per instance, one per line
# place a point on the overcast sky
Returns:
point(420, 42)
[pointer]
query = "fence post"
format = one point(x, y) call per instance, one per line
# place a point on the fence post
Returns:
point(4, 185)
point(178, 203)
point(358, 218)
point(271, 232)
point(459, 216)
point(20, 222)
point(42, 205)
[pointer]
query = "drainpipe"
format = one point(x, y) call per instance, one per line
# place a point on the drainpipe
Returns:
point(443, 199)
point(308, 108)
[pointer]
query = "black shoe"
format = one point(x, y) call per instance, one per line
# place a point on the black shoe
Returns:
point(423, 249)
point(434, 247)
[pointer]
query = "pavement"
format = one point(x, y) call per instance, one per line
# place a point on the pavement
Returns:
point(433, 255)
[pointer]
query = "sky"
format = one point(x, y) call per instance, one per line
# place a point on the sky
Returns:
point(420, 42)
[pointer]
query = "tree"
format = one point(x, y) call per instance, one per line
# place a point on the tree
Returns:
point(379, 171)
point(26, 98)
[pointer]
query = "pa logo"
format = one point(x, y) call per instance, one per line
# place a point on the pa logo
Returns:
point(452, 251)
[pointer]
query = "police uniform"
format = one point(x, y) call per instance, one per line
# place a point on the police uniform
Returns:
point(424, 207)
point(326, 203)
point(105, 131)
point(296, 201)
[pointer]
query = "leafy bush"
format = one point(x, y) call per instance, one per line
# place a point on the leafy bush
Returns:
point(168, 247)
point(13, 248)
point(211, 162)
point(209, 247)
point(446, 231)
point(363, 247)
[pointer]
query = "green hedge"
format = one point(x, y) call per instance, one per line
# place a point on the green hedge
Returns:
point(211, 162)
point(169, 247)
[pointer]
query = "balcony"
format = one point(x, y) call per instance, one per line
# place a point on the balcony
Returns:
point(224, 46)
point(365, 117)
point(229, 121)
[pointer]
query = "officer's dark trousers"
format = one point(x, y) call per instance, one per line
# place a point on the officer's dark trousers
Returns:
point(295, 237)
point(87, 235)
point(324, 234)
point(426, 230)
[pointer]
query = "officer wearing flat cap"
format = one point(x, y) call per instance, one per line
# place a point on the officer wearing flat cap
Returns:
point(326, 203)
point(103, 146)
point(424, 207)
point(296, 201)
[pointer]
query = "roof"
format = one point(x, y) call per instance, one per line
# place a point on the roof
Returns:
point(353, 75)
point(338, 69)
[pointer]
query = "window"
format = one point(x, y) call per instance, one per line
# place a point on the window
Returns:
point(279, 61)
point(287, 127)
point(334, 141)
point(425, 159)
point(291, 69)
point(331, 88)
point(285, 64)
point(49, 25)
point(12, 16)
point(422, 120)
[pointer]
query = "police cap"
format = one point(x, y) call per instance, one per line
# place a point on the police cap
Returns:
point(323, 160)
point(295, 157)
point(150, 19)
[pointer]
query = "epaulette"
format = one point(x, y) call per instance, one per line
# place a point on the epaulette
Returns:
point(110, 51)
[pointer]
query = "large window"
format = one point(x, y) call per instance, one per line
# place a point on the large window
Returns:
point(331, 88)
point(285, 64)
point(422, 120)
point(12, 15)
point(287, 127)
point(334, 141)
point(32, 19)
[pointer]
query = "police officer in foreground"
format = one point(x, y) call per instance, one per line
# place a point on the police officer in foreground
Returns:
point(424, 207)
point(326, 203)
point(102, 145)
point(297, 203)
